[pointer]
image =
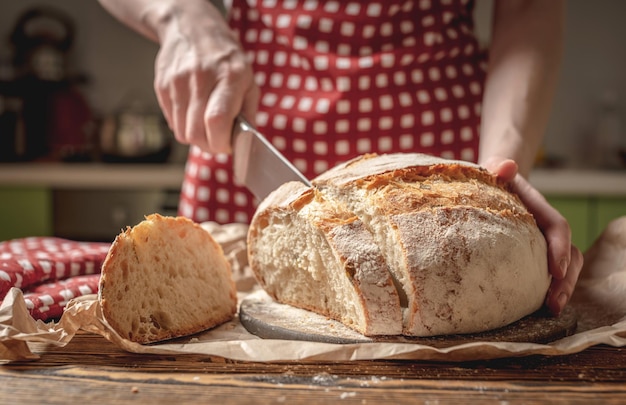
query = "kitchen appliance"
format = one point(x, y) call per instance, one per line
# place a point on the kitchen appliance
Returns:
point(257, 164)
point(56, 117)
point(11, 125)
point(12, 132)
point(135, 134)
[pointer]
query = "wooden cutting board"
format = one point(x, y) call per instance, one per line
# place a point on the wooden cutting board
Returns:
point(264, 317)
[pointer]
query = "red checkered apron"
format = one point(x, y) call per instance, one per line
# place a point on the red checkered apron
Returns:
point(343, 78)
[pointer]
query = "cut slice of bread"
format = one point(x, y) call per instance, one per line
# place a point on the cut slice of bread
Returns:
point(318, 256)
point(464, 253)
point(165, 277)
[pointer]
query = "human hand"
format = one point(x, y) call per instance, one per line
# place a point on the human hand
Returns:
point(202, 77)
point(565, 261)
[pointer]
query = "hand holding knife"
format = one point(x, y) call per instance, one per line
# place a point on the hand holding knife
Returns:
point(257, 163)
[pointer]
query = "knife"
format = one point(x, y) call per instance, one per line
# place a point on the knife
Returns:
point(257, 163)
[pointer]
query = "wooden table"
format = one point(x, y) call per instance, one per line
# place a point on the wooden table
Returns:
point(91, 370)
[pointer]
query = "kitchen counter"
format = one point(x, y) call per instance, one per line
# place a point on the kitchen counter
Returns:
point(92, 370)
point(579, 182)
point(89, 176)
point(571, 182)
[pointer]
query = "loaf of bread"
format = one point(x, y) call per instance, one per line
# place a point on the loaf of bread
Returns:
point(165, 277)
point(402, 244)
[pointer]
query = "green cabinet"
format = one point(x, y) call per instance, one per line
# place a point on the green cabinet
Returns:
point(604, 210)
point(588, 216)
point(576, 210)
point(25, 212)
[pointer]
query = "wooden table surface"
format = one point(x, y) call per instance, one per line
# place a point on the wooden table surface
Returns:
point(91, 370)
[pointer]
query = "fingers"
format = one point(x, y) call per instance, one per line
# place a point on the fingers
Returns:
point(204, 116)
point(234, 92)
point(561, 290)
point(195, 133)
point(165, 101)
point(251, 103)
point(173, 95)
point(554, 226)
point(559, 238)
point(180, 94)
point(505, 169)
point(565, 261)
point(163, 96)
point(200, 97)
point(223, 105)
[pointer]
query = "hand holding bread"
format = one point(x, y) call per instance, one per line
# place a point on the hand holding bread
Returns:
point(565, 261)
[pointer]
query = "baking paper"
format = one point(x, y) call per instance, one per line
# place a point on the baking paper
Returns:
point(599, 300)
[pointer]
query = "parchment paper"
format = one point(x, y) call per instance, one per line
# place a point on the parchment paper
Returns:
point(600, 301)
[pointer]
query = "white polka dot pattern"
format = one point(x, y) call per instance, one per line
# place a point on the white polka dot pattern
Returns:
point(343, 78)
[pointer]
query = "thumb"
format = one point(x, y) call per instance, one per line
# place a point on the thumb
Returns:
point(505, 169)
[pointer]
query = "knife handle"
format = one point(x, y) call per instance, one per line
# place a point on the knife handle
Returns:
point(241, 124)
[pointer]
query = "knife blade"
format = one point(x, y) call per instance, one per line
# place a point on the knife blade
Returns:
point(257, 163)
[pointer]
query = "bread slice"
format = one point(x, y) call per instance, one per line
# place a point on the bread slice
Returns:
point(310, 253)
point(164, 278)
point(465, 254)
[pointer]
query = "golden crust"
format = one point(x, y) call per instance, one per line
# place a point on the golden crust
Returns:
point(464, 252)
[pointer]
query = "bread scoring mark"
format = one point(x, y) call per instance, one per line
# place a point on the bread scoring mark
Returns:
point(350, 269)
point(357, 160)
point(416, 193)
point(332, 266)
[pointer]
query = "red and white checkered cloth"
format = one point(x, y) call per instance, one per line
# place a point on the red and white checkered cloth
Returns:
point(50, 271)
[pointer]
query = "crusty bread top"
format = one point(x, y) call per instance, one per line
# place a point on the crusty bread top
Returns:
point(413, 182)
point(374, 165)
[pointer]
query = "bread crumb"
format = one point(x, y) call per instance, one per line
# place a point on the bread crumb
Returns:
point(134, 390)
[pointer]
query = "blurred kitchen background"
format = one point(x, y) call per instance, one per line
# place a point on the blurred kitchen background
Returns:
point(116, 160)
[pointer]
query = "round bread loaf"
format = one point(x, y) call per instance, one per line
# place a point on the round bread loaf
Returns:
point(463, 253)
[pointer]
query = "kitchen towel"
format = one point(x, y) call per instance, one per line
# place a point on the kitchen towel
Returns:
point(50, 271)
